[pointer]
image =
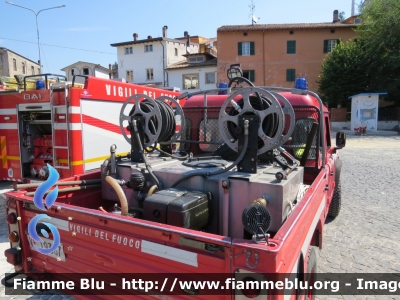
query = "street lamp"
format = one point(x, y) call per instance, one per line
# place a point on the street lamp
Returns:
point(37, 26)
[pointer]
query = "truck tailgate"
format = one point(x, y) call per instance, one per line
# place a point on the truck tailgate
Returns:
point(94, 242)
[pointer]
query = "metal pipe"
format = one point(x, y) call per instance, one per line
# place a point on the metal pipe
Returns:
point(36, 184)
point(71, 189)
point(113, 160)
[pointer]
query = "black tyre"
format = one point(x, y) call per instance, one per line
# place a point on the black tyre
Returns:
point(311, 273)
point(336, 203)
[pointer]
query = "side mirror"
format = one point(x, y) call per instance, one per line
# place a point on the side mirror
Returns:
point(340, 139)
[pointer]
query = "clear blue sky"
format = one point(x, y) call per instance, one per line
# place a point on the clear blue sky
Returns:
point(95, 24)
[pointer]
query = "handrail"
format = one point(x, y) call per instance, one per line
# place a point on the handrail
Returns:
point(45, 78)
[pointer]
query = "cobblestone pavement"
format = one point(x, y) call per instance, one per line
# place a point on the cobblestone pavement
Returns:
point(364, 238)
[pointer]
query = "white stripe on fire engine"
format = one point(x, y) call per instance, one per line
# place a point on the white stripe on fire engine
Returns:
point(8, 111)
point(60, 224)
point(9, 126)
point(307, 241)
point(63, 126)
point(166, 252)
point(71, 110)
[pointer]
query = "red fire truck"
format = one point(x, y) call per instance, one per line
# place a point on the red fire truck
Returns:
point(61, 125)
point(246, 204)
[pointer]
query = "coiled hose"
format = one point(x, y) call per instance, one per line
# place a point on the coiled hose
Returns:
point(269, 124)
point(167, 115)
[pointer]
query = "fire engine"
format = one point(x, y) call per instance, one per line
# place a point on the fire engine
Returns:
point(61, 123)
point(247, 200)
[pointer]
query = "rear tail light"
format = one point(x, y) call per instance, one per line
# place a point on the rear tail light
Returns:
point(13, 237)
point(11, 218)
point(13, 256)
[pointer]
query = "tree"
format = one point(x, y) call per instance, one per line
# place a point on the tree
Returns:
point(380, 31)
point(342, 16)
point(372, 64)
point(345, 72)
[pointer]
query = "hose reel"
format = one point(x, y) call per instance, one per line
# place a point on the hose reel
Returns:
point(159, 118)
point(267, 106)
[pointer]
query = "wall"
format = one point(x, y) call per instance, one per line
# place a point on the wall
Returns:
point(176, 79)
point(99, 73)
point(271, 59)
point(6, 64)
point(78, 70)
point(338, 114)
point(382, 125)
point(140, 60)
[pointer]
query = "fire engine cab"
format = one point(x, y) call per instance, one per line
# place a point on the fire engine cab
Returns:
point(61, 123)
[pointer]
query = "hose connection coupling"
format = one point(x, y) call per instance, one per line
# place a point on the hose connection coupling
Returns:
point(135, 126)
point(246, 127)
point(113, 148)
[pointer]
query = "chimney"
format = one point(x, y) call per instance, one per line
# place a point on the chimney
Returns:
point(187, 43)
point(109, 67)
point(353, 4)
point(149, 37)
point(164, 31)
point(135, 36)
point(335, 16)
point(185, 34)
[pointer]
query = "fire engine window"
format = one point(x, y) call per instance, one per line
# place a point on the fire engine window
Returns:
point(85, 71)
point(23, 68)
point(190, 81)
point(148, 48)
point(33, 70)
point(15, 64)
point(209, 133)
point(149, 74)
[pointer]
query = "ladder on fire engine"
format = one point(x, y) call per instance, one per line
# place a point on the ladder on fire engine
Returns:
point(60, 120)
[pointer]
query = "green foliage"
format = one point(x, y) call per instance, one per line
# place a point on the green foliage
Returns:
point(345, 72)
point(372, 64)
point(380, 29)
point(342, 16)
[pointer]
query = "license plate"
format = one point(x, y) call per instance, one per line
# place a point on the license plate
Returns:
point(46, 243)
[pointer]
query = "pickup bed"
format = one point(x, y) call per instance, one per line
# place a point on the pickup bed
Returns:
point(209, 216)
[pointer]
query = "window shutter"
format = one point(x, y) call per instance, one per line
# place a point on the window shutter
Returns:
point(325, 46)
point(291, 47)
point(251, 48)
point(251, 75)
point(239, 48)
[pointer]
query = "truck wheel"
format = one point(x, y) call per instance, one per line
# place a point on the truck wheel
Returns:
point(311, 273)
point(334, 207)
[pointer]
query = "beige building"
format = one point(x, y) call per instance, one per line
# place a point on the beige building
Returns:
point(11, 63)
point(275, 54)
point(86, 68)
